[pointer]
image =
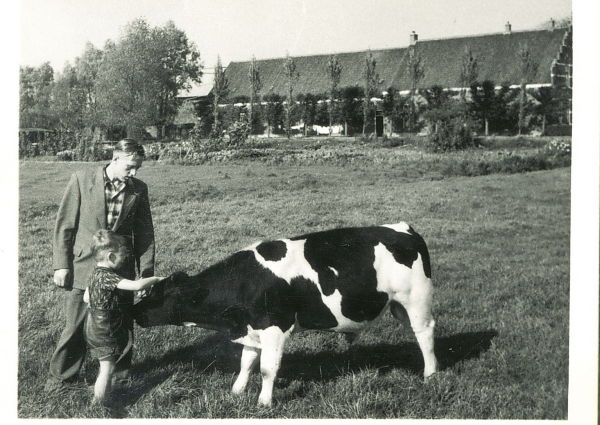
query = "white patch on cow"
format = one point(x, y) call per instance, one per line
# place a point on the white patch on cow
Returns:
point(399, 227)
point(392, 277)
point(251, 339)
point(292, 265)
point(189, 324)
point(335, 272)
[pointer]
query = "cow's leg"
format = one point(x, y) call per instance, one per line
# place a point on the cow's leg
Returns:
point(418, 308)
point(249, 358)
point(272, 341)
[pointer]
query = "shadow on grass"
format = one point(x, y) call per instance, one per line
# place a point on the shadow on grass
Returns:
point(218, 353)
point(329, 365)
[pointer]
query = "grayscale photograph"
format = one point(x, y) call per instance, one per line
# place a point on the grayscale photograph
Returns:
point(334, 209)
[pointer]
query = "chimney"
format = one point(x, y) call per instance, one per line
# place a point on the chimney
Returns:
point(552, 24)
point(507, 28)
point(413, 38)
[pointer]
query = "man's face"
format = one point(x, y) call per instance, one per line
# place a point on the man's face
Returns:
point(124, 166)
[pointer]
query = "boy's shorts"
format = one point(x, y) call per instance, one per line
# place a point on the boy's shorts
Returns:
point(107, 335)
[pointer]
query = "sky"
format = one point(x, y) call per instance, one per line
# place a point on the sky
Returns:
point(57, 30)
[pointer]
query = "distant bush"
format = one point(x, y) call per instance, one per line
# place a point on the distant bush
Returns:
point(67, 155)
point(558, 148)
point(238, 132)
point(450, 135)
point(558, 130)
point(506, 163)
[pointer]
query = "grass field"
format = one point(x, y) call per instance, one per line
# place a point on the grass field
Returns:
point(500, 257)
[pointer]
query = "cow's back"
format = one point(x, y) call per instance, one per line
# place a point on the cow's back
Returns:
point(342, 279)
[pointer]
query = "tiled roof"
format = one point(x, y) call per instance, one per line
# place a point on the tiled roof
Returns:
point(496, 55)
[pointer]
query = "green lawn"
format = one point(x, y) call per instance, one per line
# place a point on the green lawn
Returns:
point(500, 257)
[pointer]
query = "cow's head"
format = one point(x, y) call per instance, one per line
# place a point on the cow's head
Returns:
point(170, 302)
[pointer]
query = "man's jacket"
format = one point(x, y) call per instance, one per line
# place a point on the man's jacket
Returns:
point(83, 211)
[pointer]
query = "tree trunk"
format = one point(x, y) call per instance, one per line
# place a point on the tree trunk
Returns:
point(522, 109)
point(330, 110)
point(543, 124)
point(487, 126)
point(345, 128)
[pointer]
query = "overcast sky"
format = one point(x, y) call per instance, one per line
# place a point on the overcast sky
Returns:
point(56, 30)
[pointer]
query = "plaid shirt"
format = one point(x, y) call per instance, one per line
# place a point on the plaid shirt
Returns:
point(113, 195)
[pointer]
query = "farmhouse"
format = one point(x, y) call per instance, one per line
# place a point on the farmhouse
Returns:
point(496, 54)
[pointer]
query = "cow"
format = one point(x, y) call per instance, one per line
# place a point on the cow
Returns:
point(338, 280)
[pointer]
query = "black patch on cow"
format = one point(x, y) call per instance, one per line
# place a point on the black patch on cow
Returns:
point(272, 250)
point(312, 313)
point(227, 296)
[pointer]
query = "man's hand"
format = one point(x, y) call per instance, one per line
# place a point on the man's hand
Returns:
point(62, 277)
point(86, 296)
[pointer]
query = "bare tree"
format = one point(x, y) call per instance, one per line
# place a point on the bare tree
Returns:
point(371, 80)
point(527, 70)
point(416, 72)
point(220, 88)
point(255, 85)
point(469, 71)
point(292, 77)
point(334, 70)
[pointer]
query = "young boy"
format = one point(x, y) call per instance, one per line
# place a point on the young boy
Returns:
point(105, 331)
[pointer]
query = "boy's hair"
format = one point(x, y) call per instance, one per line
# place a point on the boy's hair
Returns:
point(129, 146)
point(107, 241)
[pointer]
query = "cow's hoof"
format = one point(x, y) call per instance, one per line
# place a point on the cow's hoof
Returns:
point(430, 375)
point(237, 390)
point(264, 403)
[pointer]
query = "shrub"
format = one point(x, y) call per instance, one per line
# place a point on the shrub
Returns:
point(67, 155)
point(452, 134)
point(238, 132)
point(558, 148)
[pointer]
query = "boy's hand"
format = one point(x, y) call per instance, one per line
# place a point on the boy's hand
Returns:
point(139, 295)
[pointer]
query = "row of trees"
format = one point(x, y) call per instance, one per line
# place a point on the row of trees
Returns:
point(129, 84)
point(482, 103)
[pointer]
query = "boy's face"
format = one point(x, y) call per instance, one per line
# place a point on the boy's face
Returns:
point(117, 258)
point(124, 165)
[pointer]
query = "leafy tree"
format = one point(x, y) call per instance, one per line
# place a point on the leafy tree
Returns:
point(69, 99)
point(437, 101)
point(35, 89)
point(547, 104)
point(371, 79)
point(87, 67)
point(484, 101)
point(334, 71)
point(220, 90)
point(527, 70)
point(351, 104)
point(273, 112)
point(256, 86)
point(292, 76)
point(416, 72)
point(141, 74)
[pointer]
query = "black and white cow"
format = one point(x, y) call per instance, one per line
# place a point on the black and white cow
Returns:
point(339, 280)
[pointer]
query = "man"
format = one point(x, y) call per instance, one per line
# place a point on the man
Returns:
point(104, 197)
